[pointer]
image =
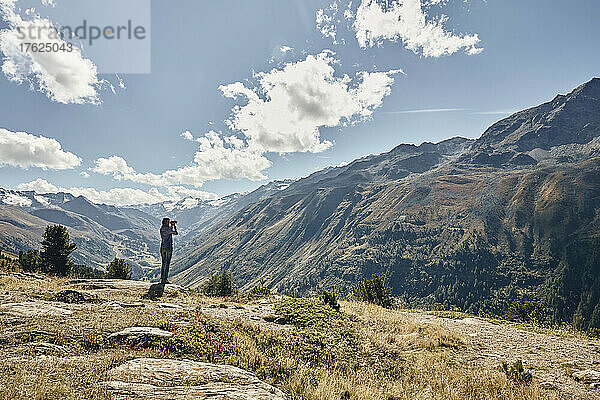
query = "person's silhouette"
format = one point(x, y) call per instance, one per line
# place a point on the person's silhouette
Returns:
point(167, 230)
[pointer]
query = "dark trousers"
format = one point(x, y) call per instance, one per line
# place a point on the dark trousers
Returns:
point(165, 254)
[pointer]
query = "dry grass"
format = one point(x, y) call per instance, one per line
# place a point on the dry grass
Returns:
point(364, 353)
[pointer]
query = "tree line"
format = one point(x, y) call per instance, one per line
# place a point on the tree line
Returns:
point(55, 258)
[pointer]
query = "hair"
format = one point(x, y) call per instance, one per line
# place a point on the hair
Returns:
point(165, 221)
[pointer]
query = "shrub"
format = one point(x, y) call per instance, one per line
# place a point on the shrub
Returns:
point(220, 285)
point(259, 292)
point(330, 299)
point(92, 341)
point(30, 261)
point(85, 272)
point(56, 250)
point(524, 311)
point(517, 373)
point(374, 291)
point(118, 269)
point(197, 337)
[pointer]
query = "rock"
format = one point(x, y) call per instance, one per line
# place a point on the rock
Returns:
point(126, 285)
point(150, 378)
point(472, 321)
point(118, 304)
point(139, 335)
point(275, 319)
point(548, 385)
point(75, 296)
point(155, 291)
point(587, 376)
point(48, 348)
point(170, 306)
point(34, 309)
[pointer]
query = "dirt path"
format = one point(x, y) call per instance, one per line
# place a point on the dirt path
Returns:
point(552, 359)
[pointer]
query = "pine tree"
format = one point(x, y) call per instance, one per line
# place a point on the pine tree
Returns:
point(118, 269)
point(57, 248)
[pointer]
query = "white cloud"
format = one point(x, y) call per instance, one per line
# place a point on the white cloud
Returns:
point(65, 77)
point(180, 192)
point(326, 21)
point(406, 20)
point(285, 49)
point(119, 196)
point(84, 174)
point(283, 114)
point(217, 158)
point(187, 135)
point(39, 186)
point(291, 104)
point(21, 149)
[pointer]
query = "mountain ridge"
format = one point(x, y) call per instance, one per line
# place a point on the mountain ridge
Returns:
point(474, 225)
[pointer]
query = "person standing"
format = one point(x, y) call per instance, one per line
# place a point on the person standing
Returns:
point(167, 230)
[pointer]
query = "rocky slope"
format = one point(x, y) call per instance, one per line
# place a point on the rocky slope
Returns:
point(512, 215)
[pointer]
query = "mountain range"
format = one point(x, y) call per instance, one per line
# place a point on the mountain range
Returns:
point(512, 215)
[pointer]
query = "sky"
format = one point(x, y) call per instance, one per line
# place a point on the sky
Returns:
point(223, 96)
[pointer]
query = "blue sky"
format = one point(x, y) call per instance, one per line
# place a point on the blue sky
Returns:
point(530, 52)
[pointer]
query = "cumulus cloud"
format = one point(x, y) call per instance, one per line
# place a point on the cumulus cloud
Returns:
point(187, 135)
point(406, 20)
point(119, 196)
point(65, 77)
point(375, 21)
point(217, 158)
point(39, 186)
point(285, 113)
point(21, 149)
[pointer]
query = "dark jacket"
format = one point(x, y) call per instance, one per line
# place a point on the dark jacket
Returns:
point(166, 234)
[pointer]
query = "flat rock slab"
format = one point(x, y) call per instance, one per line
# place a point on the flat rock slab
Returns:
point(34, 309)
point(120, 284)
point(152, 378)
point(138, 335)
point(119, 304)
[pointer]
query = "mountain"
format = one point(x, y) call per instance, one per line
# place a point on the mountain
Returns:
point(477, 224)
point(193, 215)
point(102, 231)
point(565, 128)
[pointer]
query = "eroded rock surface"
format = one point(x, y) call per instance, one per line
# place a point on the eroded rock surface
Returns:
point(34, 309)
point(150, 378)
point(139, 334)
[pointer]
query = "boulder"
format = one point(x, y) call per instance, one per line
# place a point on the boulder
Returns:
point(151, 378)
point(587, 376)
point(138, 335)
